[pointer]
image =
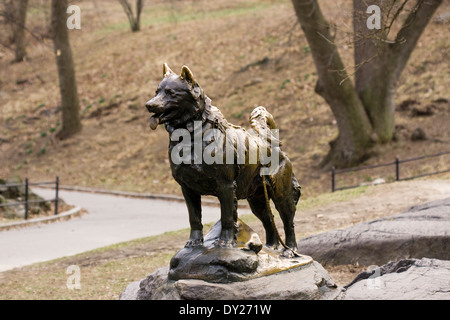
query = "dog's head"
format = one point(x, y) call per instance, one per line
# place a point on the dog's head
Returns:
point(178, 99)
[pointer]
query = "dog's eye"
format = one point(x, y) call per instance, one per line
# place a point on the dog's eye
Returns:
point(169, 92)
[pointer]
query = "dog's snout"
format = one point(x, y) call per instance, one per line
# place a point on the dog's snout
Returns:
point(151, 105)
point(148, 104)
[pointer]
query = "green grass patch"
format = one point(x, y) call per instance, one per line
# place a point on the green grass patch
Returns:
point(161, 14)
point(333, 197)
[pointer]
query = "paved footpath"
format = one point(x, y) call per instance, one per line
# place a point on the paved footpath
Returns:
point(110, 219)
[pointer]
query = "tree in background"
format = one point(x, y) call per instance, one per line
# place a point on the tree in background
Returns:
point(364, 111)
point(15, 14)
point(135, 21)
point(71, 123)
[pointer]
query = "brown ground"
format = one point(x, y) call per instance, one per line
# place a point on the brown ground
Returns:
point(244, 53)
point(106, 272)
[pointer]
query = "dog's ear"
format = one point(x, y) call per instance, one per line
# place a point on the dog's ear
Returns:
point(186, 74)
point(166, 70)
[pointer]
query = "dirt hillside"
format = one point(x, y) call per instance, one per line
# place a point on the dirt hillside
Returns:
point(244, 53)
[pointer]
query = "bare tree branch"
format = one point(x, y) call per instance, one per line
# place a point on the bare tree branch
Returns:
point(394, 18)
point(134, 21)
point(411, 31)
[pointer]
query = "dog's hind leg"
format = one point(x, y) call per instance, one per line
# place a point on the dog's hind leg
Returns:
point(258, 204)
point(287, 212)
point(194, 206)
point(285, 193)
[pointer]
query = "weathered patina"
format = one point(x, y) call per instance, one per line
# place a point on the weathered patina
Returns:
point(182, 106)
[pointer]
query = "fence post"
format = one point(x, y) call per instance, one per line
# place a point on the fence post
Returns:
point(56, 195)
point(397, 169)
point(26, 198)
point(333, 173)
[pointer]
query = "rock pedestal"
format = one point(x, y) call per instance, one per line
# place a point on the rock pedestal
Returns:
point(406, 279)
point(246, 271)
point(308, 282)
point(247, 260)
point(239, 273)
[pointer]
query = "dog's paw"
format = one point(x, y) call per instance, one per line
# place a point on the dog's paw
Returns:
point(289, 253)
point(191, 243)
point(225, 243)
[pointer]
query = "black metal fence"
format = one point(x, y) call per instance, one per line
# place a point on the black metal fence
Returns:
point(395, 163)
point(27, 201)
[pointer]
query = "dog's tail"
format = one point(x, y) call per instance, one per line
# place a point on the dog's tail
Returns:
point(260, 118)
point(262, 122)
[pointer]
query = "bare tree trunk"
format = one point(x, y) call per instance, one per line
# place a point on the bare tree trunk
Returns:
point(135, 22)
point(336, 88)
point(139, 7)
point(66, 71)
point(19, 30)
point(364, 113)
point(15, 13)
point(380, 61)
point(368, 47)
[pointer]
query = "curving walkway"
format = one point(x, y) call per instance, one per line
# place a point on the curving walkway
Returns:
point(110, 219)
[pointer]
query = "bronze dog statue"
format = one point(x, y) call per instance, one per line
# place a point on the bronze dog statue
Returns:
point(181, 105)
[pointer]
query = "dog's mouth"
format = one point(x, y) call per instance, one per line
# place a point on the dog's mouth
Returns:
point(162, 117)
point(154, 121)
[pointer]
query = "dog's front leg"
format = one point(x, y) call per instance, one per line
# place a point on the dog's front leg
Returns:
point(194, 206)
point(228, 215)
